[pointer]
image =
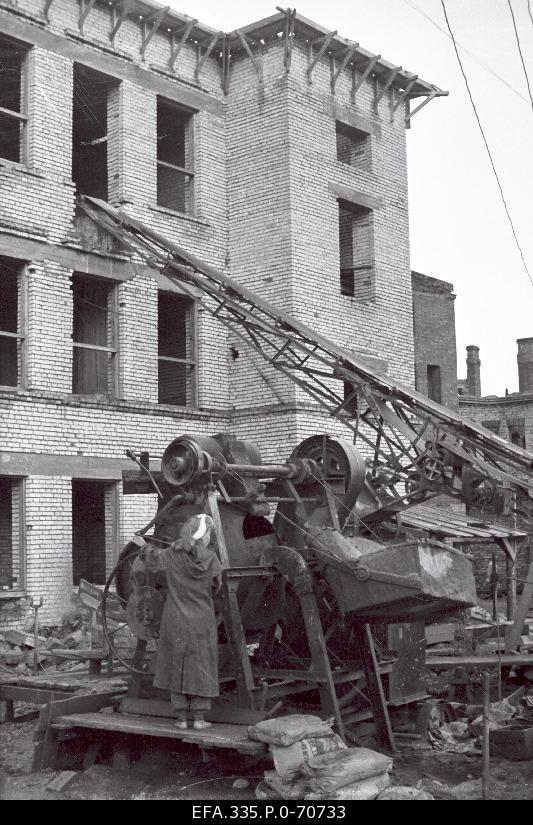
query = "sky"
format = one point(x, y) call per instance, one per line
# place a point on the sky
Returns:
point(459, 231)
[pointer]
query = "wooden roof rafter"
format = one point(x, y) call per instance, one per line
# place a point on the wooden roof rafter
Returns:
point(120, 12)
point(348, 55)
point(288, 35)
point(429, 97)
point(201, 58)
point(403, 95)
point(257, 60)
point(148, 30)
point(46, 9)
point(386, 86)
point(358, 82)
point(86, 6)
point(324, 42)
point(176, 47)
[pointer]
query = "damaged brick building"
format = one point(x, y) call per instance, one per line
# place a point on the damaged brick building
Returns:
point(276, 153)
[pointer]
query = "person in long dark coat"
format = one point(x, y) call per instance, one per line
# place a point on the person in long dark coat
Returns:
point(187, 656)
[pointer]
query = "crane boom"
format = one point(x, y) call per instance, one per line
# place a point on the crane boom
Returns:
point(417, 448)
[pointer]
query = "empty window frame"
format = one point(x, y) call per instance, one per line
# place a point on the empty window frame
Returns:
point(493, 425)
point(94, 336)
point(356, 251)
point(90, 124)
point(350, 398)
point(176, 350)
point(13, 119)
point(175, 175)
point(12, 322)
point(94, 529)
point(12, 545)
point(353, 146)
point(434, 384)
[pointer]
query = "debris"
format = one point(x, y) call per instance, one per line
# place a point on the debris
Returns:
point(499, 714)
point(289, 760)
point(241, 783)
point(286, 730)
point(364, 790)
point(331, 771)
point(61, 781)
point(404, 792)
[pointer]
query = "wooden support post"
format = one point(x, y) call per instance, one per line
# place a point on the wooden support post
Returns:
point(85, 9)
point(237, 639)
point(7, 712)
point(374, 686)
point(410, 115)
point(257, 62)
point(290, 15)
point(370, 68)
point(512, 637)
point(349, 53)
point(320, 658)
point(213, 511)
point(390, 80)
point(325, 41)
point(175, 48)
point(149, 31)
point(403, 95)
point(118, 20)
point(203, 57)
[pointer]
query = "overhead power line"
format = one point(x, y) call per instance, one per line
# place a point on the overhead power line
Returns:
point(467, 51)
point(486, 143)
point(520, 49)
point(530, 11)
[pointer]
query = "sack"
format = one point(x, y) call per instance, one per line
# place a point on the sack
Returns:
point(294, 789)
point(335, 770)
point(286, 730)
point(364, 790)
point(288, 761)
point(404, 792)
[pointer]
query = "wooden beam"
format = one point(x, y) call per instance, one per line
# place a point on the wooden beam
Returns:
point(155, 20)
point(402, 96)
point(346, 59)
point(258, 64)
point(46, 10)
point(410, 115)
point(125, 8)
point(325, 41)
point(512, 637)
point(203, 58)
point(392, 77)
point(370, 67)
point(175, 48)
point(86, 7)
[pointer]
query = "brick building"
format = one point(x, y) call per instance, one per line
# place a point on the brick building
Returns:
point(276, 153)
point(434, 334)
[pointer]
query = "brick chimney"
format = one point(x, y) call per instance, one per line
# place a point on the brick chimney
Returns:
point(473, 372)
point(525, 364)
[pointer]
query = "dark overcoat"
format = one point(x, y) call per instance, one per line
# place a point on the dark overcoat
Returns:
point(187, 655)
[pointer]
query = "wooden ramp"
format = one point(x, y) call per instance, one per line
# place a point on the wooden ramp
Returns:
point(217, 736)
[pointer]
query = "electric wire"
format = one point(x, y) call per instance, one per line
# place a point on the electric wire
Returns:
point(486, 144)
point(520, 52)
point(467, 51)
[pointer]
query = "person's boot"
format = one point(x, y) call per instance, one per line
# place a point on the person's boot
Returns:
point(181, 720)
point(199, 723)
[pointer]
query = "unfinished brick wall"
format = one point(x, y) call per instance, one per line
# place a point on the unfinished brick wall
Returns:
point(434, 331)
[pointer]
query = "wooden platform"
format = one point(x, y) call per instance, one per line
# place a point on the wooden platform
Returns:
point(506, 660)
point(217, 736)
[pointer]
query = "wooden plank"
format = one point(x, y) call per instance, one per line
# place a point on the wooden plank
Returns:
point(512, 637)
point(219, 735)
point(374, 686)
point(507, 660)
point(30, 695)
point(103, 469)
point(46, 739)
point(224, 712)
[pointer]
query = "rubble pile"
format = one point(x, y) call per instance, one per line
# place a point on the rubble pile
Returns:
point(17, 647)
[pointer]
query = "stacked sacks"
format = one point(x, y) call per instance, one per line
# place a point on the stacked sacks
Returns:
point(311, 762)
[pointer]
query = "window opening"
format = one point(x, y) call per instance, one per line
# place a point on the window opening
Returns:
point(353, 146)
point(11, 333)
point(13, 117)
point(176, 350)
point(175, 176)
point(94, 335)
point(11, 536)
point(90, 131)
point(356, 251)
point(434, 383)
point(88, 531)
